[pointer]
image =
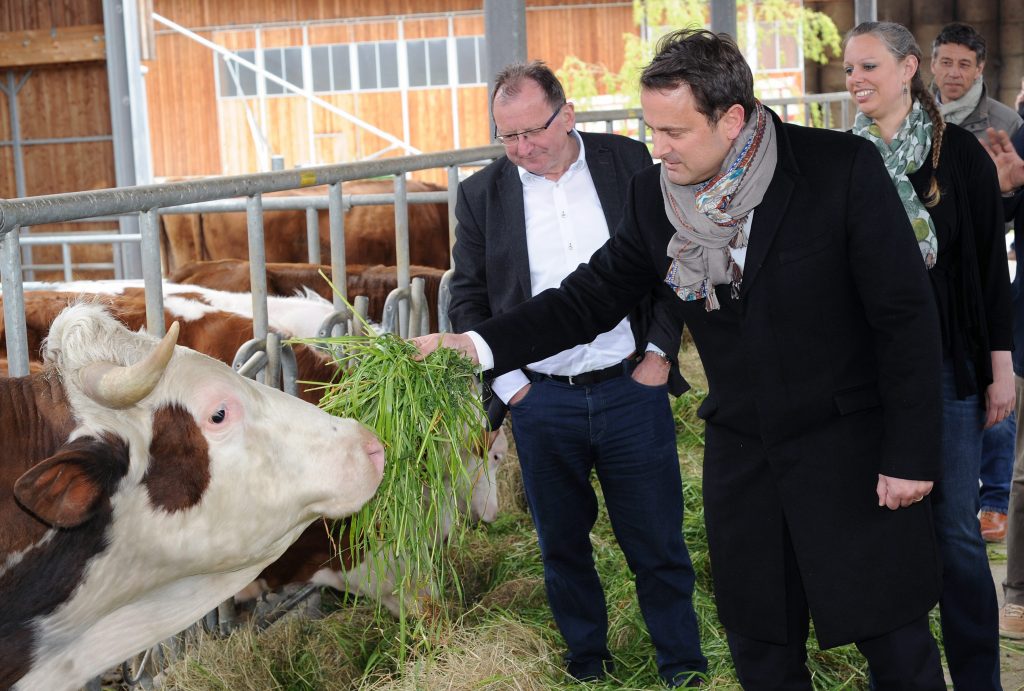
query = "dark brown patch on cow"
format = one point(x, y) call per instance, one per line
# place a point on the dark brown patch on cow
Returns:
point(324, 544)
point(179, 460)
point(48, 574)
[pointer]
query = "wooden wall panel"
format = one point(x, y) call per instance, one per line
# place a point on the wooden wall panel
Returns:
point(472, 25)
point(210, 13)
point(335, 136)
point(66, 101)
point(281, 38)
point(243, 39)
point(68, 167)
point(8, 189)
point(182, 107)
point(427, 131)
point(237, 152)
point(223, 12)
point(288, 133)
point(474, 123)
point(591, 34)
point(375, 31)
point(384, 110)
point(27, 15)
point(5, 112)
point(425, 28)
point(330, 33)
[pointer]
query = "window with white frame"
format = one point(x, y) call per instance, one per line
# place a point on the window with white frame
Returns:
point(332, 67)
point(236, 79)
point(378, 65)
point(469, 51)
point(427, 62)
point(284, 63)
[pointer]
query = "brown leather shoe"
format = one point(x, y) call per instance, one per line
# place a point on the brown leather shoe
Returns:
point(1011, 621)
point(993, 526)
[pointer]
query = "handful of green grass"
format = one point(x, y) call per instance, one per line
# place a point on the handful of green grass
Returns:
point(427, 414)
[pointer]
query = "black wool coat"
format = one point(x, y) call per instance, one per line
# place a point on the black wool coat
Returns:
point(823, 374)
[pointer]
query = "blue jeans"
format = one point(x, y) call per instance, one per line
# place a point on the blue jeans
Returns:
point(997, 454)
point(968, 608)
point(624, 431)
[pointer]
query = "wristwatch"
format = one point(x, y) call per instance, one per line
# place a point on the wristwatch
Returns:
point(660, 356)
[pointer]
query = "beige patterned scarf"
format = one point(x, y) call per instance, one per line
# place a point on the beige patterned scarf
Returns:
point(709, 216)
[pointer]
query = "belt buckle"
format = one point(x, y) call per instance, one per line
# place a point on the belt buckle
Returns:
point(570, 378)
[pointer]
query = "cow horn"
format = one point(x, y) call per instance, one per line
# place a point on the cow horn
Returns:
point(115, 386)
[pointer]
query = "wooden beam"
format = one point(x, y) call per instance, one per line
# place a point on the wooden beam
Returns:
point(58, 45)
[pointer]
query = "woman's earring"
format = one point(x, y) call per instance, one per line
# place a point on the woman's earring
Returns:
point(906, 94)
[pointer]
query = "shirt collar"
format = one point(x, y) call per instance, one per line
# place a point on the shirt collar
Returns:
point(528, 178)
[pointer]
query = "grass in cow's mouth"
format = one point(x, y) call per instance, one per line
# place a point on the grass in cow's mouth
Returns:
point(428, 415)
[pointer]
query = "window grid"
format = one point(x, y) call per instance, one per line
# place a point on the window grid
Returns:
point(370, 66)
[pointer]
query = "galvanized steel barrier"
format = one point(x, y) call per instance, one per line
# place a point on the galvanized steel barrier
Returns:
point(150, 200)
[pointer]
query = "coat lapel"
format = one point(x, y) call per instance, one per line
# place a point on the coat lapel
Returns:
point(606, 180)
point(769, 213)
point(510, 240)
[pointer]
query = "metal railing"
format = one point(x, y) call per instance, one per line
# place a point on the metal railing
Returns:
point(149, 200)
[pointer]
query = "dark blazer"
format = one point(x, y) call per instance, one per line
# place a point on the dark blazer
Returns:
point(824, 373)
point(492, 267)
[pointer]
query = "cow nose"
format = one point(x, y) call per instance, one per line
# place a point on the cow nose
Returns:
point(375, 450)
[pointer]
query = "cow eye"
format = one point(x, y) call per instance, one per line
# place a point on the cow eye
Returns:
point(218, 416)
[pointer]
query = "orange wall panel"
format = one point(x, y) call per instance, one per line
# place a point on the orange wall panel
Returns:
point(26, 15)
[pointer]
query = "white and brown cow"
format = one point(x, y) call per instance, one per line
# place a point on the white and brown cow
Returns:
point(140, 485)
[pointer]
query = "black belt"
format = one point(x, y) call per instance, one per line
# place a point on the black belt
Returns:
point(584, 378)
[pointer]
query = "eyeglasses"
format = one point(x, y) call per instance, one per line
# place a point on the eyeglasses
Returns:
point(513, 137)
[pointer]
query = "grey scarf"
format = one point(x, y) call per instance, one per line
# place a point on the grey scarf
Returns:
point(957, 111)
point(709, 216)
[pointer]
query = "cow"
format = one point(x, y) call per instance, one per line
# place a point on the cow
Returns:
point(369, 231)
point(217, 323)
point(283, 278)
point(321, 555)
point(143, 483)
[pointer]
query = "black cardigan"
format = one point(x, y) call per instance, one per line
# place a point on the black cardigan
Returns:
point(970, 279)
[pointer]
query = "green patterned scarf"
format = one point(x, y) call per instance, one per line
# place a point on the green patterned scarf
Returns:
point(905, 155)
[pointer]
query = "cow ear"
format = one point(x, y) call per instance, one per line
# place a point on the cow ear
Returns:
point(60, 490)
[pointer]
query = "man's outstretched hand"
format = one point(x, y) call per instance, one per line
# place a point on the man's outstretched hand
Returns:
point(431, 342)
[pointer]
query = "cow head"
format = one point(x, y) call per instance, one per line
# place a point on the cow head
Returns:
point(178, 482)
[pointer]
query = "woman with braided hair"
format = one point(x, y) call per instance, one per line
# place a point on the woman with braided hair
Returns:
point(950, 192)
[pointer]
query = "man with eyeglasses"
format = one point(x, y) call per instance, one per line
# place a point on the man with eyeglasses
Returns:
point(524, 223)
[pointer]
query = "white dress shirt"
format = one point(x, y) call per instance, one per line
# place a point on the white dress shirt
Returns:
point(565, 225)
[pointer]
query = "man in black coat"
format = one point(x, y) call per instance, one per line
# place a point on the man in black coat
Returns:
point(1008, 155)
point(524, 223)
point(800, 278)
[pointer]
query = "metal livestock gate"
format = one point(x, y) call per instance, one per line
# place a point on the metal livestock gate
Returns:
point(148, 201)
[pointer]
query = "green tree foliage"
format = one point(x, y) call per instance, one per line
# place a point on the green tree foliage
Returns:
point(657, 17)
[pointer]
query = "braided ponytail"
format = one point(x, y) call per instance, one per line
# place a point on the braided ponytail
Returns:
point(919, 91)
point(898, 40)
